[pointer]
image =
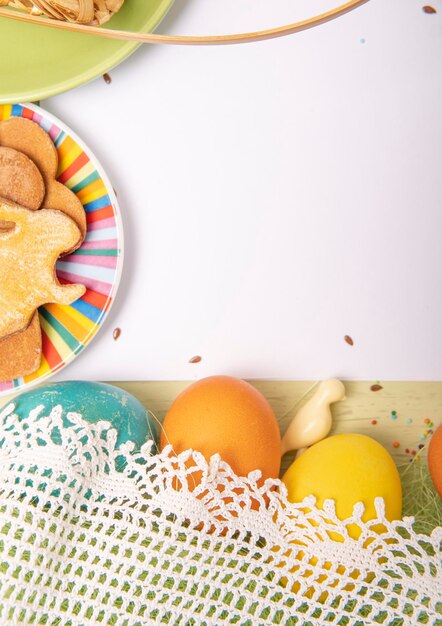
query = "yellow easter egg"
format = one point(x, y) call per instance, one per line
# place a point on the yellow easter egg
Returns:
point(347, 468)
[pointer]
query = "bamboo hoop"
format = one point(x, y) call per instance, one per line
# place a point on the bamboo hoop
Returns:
point(184, 40)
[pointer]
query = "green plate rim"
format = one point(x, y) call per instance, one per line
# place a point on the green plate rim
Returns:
point(98, 70)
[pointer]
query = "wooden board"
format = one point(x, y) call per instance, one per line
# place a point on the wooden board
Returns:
point(414, 401)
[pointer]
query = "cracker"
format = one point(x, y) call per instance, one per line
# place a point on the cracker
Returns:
point(20, 354)
point(28, 254)
point(20, 179)
point(29, 138)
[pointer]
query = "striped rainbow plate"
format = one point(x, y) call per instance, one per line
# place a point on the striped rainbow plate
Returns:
point(66, 330)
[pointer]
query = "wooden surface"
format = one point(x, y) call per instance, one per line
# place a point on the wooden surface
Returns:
point(415, 401)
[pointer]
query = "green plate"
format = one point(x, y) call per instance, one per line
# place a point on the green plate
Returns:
point(39, 62)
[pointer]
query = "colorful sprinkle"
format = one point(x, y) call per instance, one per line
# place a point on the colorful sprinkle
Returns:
point(426, 420)
point(349, 340)
point(420, 446)
point(396, 444)
point(393, 415)
point(426, 433)
point(407, 450)
point(413, 452)
point(409, 421)
point(417, 457)
point(423, 436)
point(374, 422)
point(376, 387)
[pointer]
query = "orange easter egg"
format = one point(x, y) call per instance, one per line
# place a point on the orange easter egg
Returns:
point(228, 416)
point(435, 460)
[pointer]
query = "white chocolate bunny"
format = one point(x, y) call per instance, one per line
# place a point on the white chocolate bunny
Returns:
point(313, 421)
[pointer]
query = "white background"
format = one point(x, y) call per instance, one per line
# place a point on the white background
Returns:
point(275, 196)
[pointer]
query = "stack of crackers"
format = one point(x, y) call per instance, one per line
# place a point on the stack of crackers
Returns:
point(40, 220)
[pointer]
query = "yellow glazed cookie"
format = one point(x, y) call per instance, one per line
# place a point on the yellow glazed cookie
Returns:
point(28, 253)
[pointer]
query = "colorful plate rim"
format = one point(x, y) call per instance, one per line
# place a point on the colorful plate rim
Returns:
point(52, 121)
point(98, 70)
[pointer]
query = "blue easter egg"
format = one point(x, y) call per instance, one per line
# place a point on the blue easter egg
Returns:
point(94, 402)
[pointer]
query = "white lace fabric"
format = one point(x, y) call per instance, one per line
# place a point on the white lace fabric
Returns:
point(176, 540)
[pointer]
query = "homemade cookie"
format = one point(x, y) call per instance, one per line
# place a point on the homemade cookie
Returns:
point(28, 254)
point(29, 138)
point(20, 354)
point(20, 179)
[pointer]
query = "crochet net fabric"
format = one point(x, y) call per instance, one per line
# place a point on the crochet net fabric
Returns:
point(174, 540)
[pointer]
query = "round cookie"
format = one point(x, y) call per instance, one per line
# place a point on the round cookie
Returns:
point(20, 179)
point(20, 354)
point(94, 402)
point(28, 137)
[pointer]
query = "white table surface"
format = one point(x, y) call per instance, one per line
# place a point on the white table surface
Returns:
point(275, 196)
